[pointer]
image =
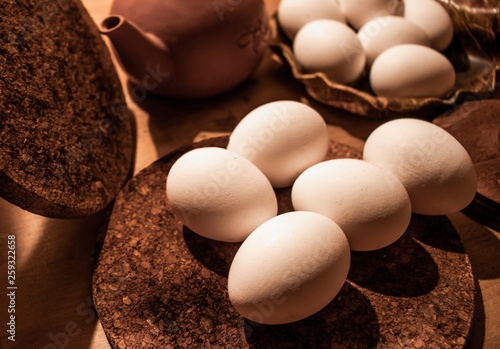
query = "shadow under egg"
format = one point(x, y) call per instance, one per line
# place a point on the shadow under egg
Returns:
point(214, 255)
point(404, 268)
point(438, 232)
point(348, 320)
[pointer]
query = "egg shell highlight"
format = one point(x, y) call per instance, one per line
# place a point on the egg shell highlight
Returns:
point(411, 71)
point(434, 167)
point(332, 48)
point(219, 194)
point(359, 12)
point(282, 139)
point(294, 14)
point(289, 268)
point(433, 19)
point(384, 32)
point(369, 204)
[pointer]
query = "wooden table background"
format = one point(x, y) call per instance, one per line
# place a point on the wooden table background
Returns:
point(53, 300)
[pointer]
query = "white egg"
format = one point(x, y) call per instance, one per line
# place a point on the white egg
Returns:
point(219, 194)
point(433, 19)
point(384, 32)
point(289, 268)
point(369, 204)
point(434, 167)
point(359, 12)
point(294, 14)
point(411, 71)
point(282, 139)
point(332, 48)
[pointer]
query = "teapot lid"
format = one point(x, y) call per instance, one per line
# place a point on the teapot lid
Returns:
point(66, 135)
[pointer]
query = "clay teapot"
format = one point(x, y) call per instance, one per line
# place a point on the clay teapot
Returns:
point(187, 49)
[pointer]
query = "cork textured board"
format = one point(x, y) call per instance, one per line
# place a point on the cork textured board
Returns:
point(158, 284)
point(66, 134)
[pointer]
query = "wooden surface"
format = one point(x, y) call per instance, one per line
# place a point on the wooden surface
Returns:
point(53, 296)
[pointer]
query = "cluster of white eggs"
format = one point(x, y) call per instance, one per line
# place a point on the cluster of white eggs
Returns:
point(291, 265)
point(397, 43)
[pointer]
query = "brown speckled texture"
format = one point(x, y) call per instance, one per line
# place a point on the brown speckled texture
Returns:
point(157, 284)
point(66, 138)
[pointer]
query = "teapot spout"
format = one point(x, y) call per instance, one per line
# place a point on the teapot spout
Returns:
point(145, 58)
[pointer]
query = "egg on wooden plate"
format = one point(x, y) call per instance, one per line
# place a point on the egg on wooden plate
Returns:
point(282, 139)
point(384, 32)
point(330, 47)
point(369, 204)
point(433, 19)
point(412, 71)
point(219, 194)
point(294, 14)
point(289, 268)
point(434, 167)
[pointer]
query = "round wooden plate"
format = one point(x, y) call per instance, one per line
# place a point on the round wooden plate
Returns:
point(66, 135)
point(156, 284)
